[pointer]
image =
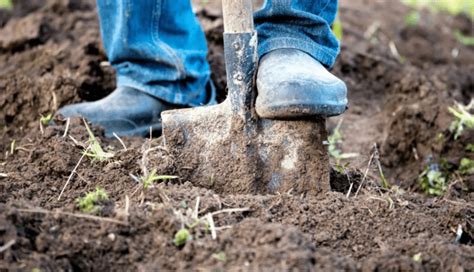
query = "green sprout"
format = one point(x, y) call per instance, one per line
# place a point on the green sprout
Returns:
point(45, 119)
point(333, 140)
point(412, 18)
point(337, 29)
point(453, 7)
point(196, 223)
point(88, 203)
point(152, 177)
point(6, 4)
point(440, 137)
point(182, 237)
point(219, 256)
point(204, 3)
point(417, 258)
point(463, 118)
point(433, 181)
point(470, 148)
point(385, 183)
point(94, 150)
point(463, 39)
point(466, 166)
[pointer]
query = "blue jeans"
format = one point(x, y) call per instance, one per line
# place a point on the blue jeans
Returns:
point(158, 46)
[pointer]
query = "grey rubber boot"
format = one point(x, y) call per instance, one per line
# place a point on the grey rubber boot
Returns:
point(126, 112)
point(292, 84)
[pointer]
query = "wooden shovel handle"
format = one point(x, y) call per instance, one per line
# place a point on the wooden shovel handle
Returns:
point(238, 16)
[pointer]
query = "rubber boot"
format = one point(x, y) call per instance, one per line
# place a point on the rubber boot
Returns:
point(292, 84)
point(126, 112)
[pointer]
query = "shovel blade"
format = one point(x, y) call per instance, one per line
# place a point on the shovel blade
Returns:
point(215, 149)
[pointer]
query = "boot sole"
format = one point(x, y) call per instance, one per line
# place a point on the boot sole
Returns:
point(295, 111)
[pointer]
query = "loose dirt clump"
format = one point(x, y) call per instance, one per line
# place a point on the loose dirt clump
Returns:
point(401, 80)
point(49, 58)
point(50, 55)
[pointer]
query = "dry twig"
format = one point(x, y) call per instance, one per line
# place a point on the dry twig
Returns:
point(7, 245)
point(68, 122)
point(235, 210)
point(365, 174)
point(212, 226)
point(77, 215)
point(121, 142)
point(196, 209)
point(73, 172)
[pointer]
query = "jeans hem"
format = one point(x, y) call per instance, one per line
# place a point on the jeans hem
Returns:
point(325, 56)
point(170, 93)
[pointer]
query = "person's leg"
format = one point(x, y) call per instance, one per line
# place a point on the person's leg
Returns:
point(299, 24)
point(159, 52)
point(158, 47)
point(295, 38)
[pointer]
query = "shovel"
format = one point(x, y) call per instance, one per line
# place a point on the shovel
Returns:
point(228, 148)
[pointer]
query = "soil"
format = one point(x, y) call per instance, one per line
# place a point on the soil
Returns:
point(50, 56)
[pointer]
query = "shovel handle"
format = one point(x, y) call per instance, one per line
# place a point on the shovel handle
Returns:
point(240, 50)
point(238, 16)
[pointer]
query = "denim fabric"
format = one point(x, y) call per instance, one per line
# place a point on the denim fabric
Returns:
point(299, 24)
point(157, 46)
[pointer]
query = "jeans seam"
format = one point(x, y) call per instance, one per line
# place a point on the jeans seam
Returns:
point(156, 22)
point(322, 9)
point(167, 48)
point(127, 14)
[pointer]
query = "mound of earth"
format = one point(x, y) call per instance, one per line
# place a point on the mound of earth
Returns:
point(50, 56)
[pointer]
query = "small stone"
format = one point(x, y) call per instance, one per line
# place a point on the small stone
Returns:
point(322, 237)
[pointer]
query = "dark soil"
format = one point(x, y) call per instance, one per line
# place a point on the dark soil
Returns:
point(50, 55)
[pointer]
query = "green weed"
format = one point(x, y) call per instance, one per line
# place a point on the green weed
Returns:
point(6, 4)
point(337, 29)
point(433, 181)
point(341, 168)
point(463, 119)
point(453, 7)
point(89, 202)
point(470, 147)
point(385, 183)
point(94, 150)
point(417, 258)
point(182, 237)
point(333, 140)
point(204, 3)
point(466, 166)
point(45, 119)
point(412, 18)
point(440, 137)
point(152, 177)
point(219, 256)
point(461, 38)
